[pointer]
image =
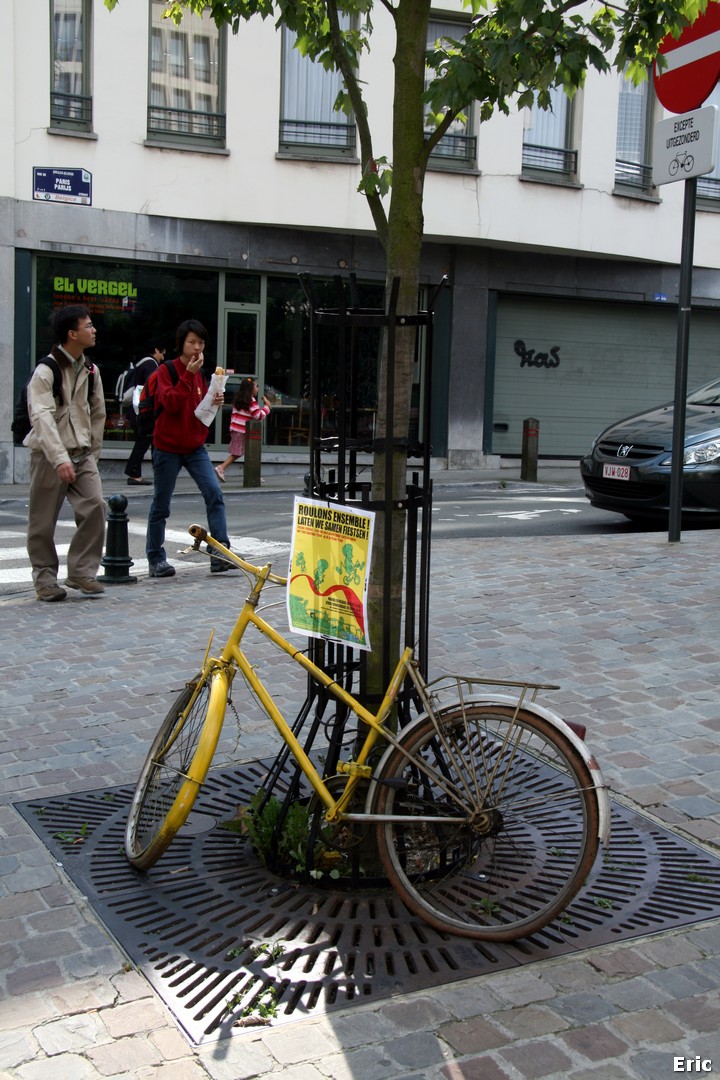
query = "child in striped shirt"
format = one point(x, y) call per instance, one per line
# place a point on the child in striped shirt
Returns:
point(245, 407)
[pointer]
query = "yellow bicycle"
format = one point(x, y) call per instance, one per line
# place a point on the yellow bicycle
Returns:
point(488, 809)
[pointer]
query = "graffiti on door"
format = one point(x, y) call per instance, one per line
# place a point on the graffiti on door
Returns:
point(532, 358)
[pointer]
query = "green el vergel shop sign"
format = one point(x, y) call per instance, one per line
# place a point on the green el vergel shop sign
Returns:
point(94, 287)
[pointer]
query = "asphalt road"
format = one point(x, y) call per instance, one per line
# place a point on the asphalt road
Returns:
point(260, 522)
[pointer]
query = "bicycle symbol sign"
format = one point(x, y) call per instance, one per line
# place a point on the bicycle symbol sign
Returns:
point(682, 160)
point(685, 146)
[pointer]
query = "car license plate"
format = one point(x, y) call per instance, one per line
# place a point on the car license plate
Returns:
point(617, 472)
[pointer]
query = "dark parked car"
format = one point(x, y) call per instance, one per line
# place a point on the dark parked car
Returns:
point(628, 467)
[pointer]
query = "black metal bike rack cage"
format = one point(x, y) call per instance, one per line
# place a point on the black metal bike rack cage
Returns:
point(339, 475)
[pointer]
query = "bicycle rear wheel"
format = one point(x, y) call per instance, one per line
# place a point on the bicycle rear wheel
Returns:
point(175, 768)
point(526, 826)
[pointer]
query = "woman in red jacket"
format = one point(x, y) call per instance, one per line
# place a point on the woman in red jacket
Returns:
point(179, 442)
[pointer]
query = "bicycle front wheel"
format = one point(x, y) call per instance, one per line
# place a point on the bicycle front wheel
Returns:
point(175, 768)
point(501, 821)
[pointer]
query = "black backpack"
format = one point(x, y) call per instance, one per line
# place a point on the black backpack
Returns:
point(21, 425)
point(148, 409)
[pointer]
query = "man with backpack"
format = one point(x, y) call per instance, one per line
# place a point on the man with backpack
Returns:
point(179, 442)
point(154, 356)
point(65, 442)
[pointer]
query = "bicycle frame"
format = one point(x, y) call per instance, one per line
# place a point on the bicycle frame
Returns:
point(233, 658)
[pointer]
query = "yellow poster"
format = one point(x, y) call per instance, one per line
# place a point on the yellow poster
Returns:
point(329, 572)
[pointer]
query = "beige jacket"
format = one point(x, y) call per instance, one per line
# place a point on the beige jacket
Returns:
point(62, 432)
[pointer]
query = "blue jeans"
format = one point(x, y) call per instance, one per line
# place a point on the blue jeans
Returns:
point(166, 468)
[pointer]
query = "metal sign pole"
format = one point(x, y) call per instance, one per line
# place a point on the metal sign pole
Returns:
point(681, 360)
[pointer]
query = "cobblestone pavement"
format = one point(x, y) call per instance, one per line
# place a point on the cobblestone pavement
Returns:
point(629, 626)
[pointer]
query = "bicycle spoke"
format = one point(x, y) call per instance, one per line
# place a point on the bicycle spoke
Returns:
point(530, 834)
point(158, 810)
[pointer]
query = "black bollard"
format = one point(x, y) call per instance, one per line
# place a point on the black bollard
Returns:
point(529, 460)
point(251, 462)
point(116, 559)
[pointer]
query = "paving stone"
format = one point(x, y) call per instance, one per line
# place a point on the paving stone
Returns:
point(31, 977)
point(536, 1059)
point(680, 982)
point(640, 993)
point(521, 987)
point(620, 962)
point(302, 1042)
point(469, 999)
point(417, 1014)
point(531, 1021)
point(585, 1007)
point(170, 1043)
point(651, 1065)
point(134, 1017)
point(479, 1068)
point(130, 1054)
point(652, 1026)
point(418, 1050)
point(701, 1013)
point(369, 1063)
point(594, 1042)
point(361, 1029)
point(82, 996)
point(49, 946)
point(71, 1034)
point(65, 1067)
point(669, 951)
point(237, 1059)
point(471, 1036)
point(187, 1069)
point(16, 1047)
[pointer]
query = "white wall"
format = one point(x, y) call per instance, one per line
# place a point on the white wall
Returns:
point(251, 184)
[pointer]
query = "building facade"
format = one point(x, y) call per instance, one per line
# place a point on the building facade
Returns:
point(158, 173)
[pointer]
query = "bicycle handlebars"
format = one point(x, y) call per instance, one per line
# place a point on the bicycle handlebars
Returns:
point(200, 535)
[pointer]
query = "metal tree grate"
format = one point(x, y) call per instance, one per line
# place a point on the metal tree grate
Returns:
point(225, 943)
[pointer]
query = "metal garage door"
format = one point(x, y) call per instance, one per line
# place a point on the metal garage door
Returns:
point(578, 366)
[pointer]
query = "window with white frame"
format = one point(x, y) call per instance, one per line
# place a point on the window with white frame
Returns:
point(547, 135)
point(708, 186)
point(308, 121)
point(70, 93)
point(186, 98)
point(633, 145)
point(458, 145)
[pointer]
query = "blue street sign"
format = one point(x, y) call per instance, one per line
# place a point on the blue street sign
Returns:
point(62, 185)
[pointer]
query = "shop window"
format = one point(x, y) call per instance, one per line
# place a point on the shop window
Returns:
point(242, 288)
point(547, 153)
point(186, 99)
point(129, 303)
point(308, 122)
point(458, 147)
point(708, 186)
point(70, 92)
point(633, 150)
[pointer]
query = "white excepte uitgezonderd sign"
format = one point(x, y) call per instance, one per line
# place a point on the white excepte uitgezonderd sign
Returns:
point(685, 146)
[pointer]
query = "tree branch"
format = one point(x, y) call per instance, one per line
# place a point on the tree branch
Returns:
point(357, 101)
point(434, 138)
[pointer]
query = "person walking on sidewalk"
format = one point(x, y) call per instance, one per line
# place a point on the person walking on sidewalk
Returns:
point(245, 407)
point(65, 443)
point(179, 442)
point(154, 356)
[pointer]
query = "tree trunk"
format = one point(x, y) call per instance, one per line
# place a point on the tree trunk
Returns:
point(404, 243)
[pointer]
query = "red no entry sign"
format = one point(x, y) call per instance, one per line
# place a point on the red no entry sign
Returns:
point(692, 65)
